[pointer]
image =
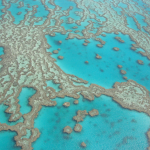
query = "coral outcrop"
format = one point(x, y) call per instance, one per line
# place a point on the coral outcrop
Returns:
point(66, 104)
point(93, 112)
point(80, 115)
point(67, 130)
point(78, 128)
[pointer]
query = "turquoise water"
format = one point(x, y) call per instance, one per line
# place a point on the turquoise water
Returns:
point(24, 96)
point(131, 23)
point(104, 71)
point(122, 5)
point(117, 9)
point(140, 19)
point(50, 83)
point(115, 128)
point(106, 131)
point(41, 12)
point(7, 140)
point(1, 52)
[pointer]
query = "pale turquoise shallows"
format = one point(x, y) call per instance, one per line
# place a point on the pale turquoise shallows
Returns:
point(1, 52)
point(114, 128)
point(103, 72)
point(24, 96)
point(7, 141)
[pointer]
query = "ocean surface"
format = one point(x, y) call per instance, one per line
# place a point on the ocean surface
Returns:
point(115, 128)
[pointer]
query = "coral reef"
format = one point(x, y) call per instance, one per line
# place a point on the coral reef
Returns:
point(55, 51)
point(83, 144)
point(125, 77)
point(66, 104)
point(86, 41)
point(76, 102)
point(140, 62)
point(19, 13)
point(26, 63)
point(119, 39)
point(119, 66)
point(85, 44)
point(116, 49)
point(98, 56)
point(93, 112)
point(67, 130)
point(99, 45)
point(80, 115)
point(78, 128)
point(122, 71)
point(59, 42)
point(60, 57)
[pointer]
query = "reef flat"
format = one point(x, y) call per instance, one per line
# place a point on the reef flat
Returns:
point(26, 62)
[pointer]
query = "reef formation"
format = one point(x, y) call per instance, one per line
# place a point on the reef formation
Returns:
point(26, 63)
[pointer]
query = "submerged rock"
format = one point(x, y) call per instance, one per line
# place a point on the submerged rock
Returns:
point(122, 41)
point(125, 78)
point(123, 72)
point(69, 30)
point(83, 144)
point(116, 32)
point(59, 49)
point(103, 35)
point(119, 66)
point(116, 48)
point(55, 51)
point(76, 31)
point(66, 104)
point(135, 45)
point(140, 62)
point(59, 42)
point(93, 112)
point(78, 128)
point(100, 40)
point(75, 27)
point(67, 129)
point(98, 56)
point(19, 13)
point(133, 48)
point(86, 62)
point(85, 44)
point(60, 57)
point(142, 53)
point(99, 45)
point(119, 39)
point(86, 41)
point(76, 102)
point(81, 114)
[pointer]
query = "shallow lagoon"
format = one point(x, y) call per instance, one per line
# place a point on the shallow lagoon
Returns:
point(114, 128)
point(24, 96)
point(103, 72)
point(125, 129)
point(7, 141)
